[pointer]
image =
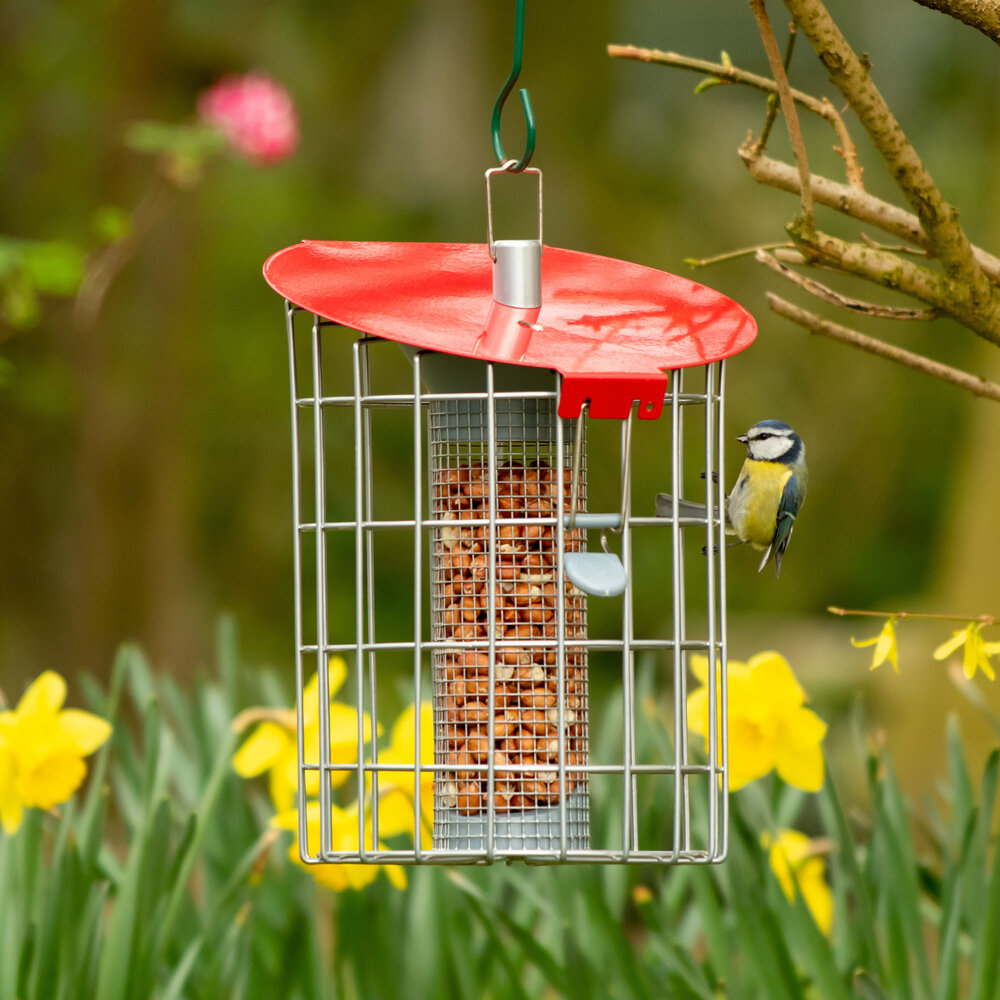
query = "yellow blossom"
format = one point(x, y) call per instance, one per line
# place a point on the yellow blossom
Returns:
point(769, 726)
point(885, 645)
point(793, 852)
point(344, 837)
point(396, 789)
point(976, 652)
point(42, 746)
point(272, 746)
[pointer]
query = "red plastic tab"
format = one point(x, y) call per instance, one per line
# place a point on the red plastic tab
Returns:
point(611, 328)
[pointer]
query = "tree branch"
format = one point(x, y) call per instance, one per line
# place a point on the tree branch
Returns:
point(835, 298)
point(733, 74)
point(983, 15)
point(878, 266)
point(852, 202)
point(938, 219)
point(759, 8)
point(816, 324)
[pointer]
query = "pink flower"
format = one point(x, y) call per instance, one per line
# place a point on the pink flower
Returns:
point(255, 114)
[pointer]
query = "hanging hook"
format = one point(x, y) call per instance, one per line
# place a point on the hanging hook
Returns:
point(529, 115)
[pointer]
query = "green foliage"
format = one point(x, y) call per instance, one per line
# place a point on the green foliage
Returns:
point(159, 882)
point(31, 268)
point(184, 148)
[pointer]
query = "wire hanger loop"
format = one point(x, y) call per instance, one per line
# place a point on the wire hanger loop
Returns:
point(529, 114)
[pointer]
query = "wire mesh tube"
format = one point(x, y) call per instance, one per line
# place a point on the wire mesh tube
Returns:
point(506, 710)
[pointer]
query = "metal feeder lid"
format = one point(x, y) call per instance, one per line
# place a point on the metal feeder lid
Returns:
point(612, 329)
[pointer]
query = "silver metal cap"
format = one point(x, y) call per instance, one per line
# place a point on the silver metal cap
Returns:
point(517, 273)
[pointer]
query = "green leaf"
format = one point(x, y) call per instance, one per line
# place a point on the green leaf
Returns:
point(196, 141)
point(948, 952)
point(960, 781)
point(175, 985)
point(55, 267)
point(986, 953)
point(111, 223)
point(849, 880)
point(708, 83)
point(898, 867)
point(26, 958)
point(556, 976)
point(867, 988)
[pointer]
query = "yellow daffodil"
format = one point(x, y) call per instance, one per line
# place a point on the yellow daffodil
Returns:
point(272, 746)
point(344, 837)
point(976, 652)
point(793, 852)
point(42, 746)
point(769, 726)
point(396, 789)
point(885, 645)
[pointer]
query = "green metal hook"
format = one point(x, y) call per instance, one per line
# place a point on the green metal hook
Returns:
point(529, 115)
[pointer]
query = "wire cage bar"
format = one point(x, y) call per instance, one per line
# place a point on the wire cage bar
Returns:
point(437, 507)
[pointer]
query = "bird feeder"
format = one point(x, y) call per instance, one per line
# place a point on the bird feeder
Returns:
point(481, 528)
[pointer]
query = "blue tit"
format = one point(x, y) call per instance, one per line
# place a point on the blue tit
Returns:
point(769, 491)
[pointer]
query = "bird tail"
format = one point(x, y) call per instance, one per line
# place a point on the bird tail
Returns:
point(685, 508)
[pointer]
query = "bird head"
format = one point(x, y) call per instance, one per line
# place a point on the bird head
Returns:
point(773, 441)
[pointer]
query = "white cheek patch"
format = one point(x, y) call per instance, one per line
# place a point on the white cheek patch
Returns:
point(770, 449)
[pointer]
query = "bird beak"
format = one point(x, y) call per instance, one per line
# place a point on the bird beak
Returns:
point(742, 438)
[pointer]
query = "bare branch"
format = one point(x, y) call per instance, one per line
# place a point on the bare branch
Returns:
point(816, 324)
point(938, 219)
point(744, 252)
point(759, 8)
point(878, 266)
point(983, 15)
point(733, 74)
point(826, 294)
point(852, 202)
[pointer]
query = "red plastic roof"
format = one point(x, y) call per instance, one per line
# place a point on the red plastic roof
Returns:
point(611, 328)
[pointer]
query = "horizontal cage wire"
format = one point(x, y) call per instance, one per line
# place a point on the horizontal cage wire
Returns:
point(437, 580)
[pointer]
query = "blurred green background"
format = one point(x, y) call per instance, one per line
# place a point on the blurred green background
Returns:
point(145, 466)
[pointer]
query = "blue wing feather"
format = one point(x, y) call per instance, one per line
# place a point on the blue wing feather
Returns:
point(788, 506)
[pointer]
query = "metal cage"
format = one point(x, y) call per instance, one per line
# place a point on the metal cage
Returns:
point(438, 507)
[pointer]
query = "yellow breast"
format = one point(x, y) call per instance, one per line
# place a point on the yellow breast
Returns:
point(753, 504)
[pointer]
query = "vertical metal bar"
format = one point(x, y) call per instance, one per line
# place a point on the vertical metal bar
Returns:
point(678, 609)
point(723, 693)
point(369, 507)
point(630, 827)
point(491, 611)
point(322, 637)
point(712, 475)
point(360, 570)
point(681, 624)
point(628, 609)
point(561, 612)
point(303, 830)
point(418, 607)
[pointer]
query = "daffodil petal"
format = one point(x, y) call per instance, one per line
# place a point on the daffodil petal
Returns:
point(396, 875)
point(699, 667)
point(46, 693)
point(261, 750)
point(54, 779)
point(774, 679)
point(85, 731)
point(803, 769)
point(11, 806)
